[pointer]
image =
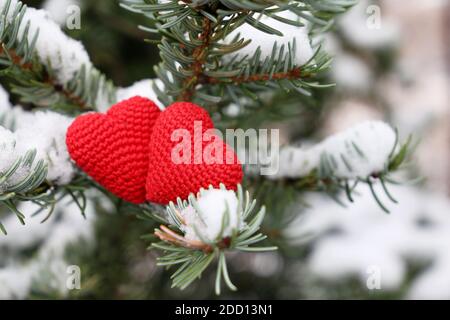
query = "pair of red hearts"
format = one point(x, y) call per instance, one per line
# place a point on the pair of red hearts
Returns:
point(129, 149)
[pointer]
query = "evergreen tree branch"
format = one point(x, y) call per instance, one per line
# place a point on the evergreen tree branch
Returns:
point(35, 188)
point(48, 81)
point(194, 256)
point(193, 45)
point(323, 178)
point(15, 58)
point(294, 73)
point(197, 67)
point(34, 80)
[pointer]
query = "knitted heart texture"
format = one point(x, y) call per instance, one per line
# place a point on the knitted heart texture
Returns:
point(186, 155)
point(139, 153)
point(112, 148)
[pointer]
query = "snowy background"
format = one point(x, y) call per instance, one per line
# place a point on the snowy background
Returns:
point(398, 73)
point(410, 247)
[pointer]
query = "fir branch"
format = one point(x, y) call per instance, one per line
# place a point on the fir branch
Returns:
point(324, 179)
point(292, 74)
point(197, 67)
point(15, 58)
point(35, 80)
point(35, 188)
point(194, 256)
point(26, 188)
point(47, 82)
point(192, 47)
point(36, 171)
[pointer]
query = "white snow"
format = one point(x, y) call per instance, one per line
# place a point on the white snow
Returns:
point(213, 204)
point(374, 140)
point(303, 49)
point(8, 113)
point(5, 108)
point(360, 26)
point(46, 132)
point(365, 146)
point(141, 88)
point(434, 283)
point(23, 236)
point(8, 152)
point(11, 8)
point(48, 267)
point(295, 161)
point(8, 156)
point(4, 100)
point(66, 55)
point(359, 239)
point(15, 282)
point(350, 72)
point(58, 9)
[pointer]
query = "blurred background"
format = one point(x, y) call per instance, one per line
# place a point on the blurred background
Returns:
point(394, 68)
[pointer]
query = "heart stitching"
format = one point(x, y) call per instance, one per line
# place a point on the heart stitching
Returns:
point(113, 148)
point(166, 179)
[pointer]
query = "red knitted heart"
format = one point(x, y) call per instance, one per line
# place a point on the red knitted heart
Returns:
point(190, 169)
point(112, 148)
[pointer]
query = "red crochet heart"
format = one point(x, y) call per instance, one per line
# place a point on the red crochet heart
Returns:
point(190, 169)
point(112, 148)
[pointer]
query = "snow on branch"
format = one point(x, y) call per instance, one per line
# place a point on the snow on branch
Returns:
point(367, 152)
point(33, 154)
point(207, 220)
point(295, 34)
point(202, 228)
point(46, 132)
point(68, 76)
point(58, 9)
point(417, 230)
point(43, 131)
point(47, 268)
point(211, 53)
point(64, 55)
point(358, 152)
point(145, 88)
point(14, 170)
